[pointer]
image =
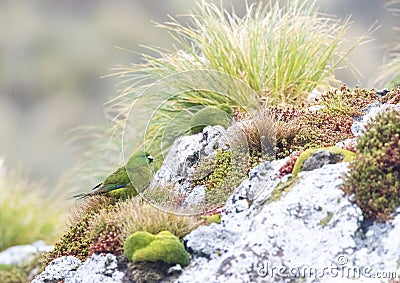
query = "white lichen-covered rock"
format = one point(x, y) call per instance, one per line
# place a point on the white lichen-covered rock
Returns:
point(371, 111)
point(312, 226)
point(262, 180)
point(59, 269)
point(294, 231)
point(178, 166)
point(186, 152)
point(23, 253)
point(98, 268)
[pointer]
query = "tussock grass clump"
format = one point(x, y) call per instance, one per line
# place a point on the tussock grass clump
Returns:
point(27, 212)
point(274, 54)
point(390, 75)
point(136, 215)
point(279, 50)
point(374, 177)
point(256, 134)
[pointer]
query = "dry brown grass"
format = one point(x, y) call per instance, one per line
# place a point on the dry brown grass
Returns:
point(256, 133)
point(137, 215)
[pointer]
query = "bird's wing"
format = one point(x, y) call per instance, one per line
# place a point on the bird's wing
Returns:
point(140, 177)
point(117, 180)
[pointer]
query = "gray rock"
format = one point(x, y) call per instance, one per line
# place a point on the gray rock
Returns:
point(185, 153)
point(178, 166)
point(22, 253)
point(262, 180)
point(198, 242)
point(195, 197)
point(287, 232)
point(320, 158)
point(62, 268)
point(97, 268)
point(371, 111)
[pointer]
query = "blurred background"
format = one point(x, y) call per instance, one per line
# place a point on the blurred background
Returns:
point(54, 53)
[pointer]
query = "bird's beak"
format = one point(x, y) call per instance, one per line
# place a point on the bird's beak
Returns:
point(150, 158)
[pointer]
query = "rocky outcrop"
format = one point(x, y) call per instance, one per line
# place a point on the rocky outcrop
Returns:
point(274, 229)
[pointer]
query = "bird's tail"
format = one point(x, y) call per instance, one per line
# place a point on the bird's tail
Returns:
point(85, 195)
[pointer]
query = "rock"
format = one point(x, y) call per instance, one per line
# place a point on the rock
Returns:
point(23, 253)
point(381, 93)
point(195, 197)
point(185, 153)
point(179, 164)
point(321, 158)
point(97, 268)
point(262, 179)
point(347, 143)
point(314, 158)
point(143, 272)
point(371, 111)
point(286, 232)
point(62, 268)
point(198, 242)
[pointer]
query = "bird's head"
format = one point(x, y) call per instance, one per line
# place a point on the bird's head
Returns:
point(140, 158)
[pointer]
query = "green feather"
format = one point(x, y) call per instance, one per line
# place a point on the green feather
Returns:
point(127, 180)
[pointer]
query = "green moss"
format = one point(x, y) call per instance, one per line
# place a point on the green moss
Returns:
point(215, 218)
point(324, 221)
point(282, 188)
point(222, 173)
point(344, 101)
point(209, 116)
point(142, 247)
point(347, 156)
point(374, 179)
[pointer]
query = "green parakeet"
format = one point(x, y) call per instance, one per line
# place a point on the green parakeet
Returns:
point(127, 180)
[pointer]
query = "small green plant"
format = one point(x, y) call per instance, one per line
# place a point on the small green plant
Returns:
point(143, 246)
point(344, 101)
point(374, 180)
point(215, 218)
point(77, 240)
point(27, 212)
point(324, 221)
point(222, 173)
